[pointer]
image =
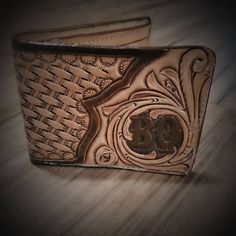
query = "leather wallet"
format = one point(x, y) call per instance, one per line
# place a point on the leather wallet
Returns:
point(97, 95)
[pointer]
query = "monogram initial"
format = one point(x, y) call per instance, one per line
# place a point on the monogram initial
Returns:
point(161, 134)
point(142, 136)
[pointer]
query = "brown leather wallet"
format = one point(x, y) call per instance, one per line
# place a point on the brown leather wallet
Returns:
point(96, 95)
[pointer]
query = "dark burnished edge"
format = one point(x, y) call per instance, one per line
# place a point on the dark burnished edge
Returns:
point(71, 164)
point(96, 50)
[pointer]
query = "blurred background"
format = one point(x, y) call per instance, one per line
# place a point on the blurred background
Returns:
point(74, 201)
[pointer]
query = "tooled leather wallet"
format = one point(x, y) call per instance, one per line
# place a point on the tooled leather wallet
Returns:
point(96, 95)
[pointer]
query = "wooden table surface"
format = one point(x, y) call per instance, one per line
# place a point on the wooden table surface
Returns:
point(40, 200)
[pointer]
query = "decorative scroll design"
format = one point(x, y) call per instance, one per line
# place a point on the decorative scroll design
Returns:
point(175, 92)
point(52, 89)
point(105, 156)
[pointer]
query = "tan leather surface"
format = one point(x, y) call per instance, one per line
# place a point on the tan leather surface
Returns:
point(134, 32)
point(91, 96)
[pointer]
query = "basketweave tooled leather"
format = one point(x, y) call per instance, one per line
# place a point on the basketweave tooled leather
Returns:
point(98, 96)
